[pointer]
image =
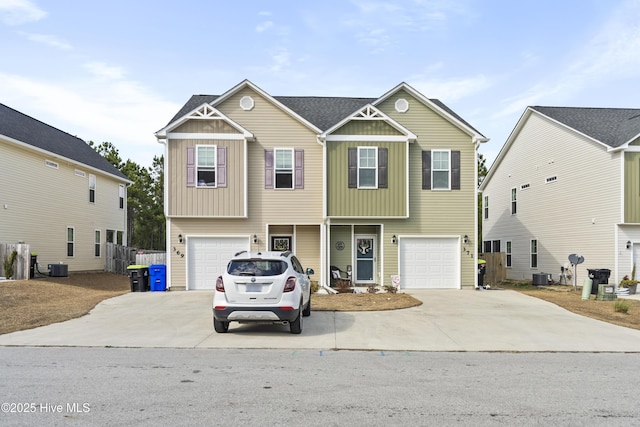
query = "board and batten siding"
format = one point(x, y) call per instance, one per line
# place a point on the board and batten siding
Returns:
point(358, 202)
point(574, 213)
point(432, 212)
point(228, 201)
point(632, 187)
point(39, 202)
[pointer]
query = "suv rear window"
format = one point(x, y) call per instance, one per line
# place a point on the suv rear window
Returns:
point(256, 267)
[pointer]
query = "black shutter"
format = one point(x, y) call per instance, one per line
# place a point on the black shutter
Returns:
point(455, 170)
point(353, 167)
point(426, 170)
point(383, 160)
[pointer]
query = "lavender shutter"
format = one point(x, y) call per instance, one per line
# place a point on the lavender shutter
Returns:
point(221, 172)
point(353, 167)
point(299, 169)
point(191, 166)
point(426, 170)
point(268, 168)
point(455, 170)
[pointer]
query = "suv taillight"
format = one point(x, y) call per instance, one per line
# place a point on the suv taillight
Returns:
point(290, 285)
point(219, 284)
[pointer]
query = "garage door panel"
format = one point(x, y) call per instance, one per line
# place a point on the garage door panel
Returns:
point(429, 263)
point(208, 258)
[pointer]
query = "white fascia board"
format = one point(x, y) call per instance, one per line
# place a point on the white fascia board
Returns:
point(372, 138)
point(247, 83)
point(62, 158)
point(207, 216)
point(368, 218)
point(464, 127)
point(354, 116)
point(233, 136)
point(627, 145)
point(191, 115)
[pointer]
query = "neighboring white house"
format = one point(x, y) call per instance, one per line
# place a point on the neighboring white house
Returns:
point(566, 181)
point(57, 194)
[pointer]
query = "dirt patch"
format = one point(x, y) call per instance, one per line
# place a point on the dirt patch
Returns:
point(26, 304)
point(362, 302)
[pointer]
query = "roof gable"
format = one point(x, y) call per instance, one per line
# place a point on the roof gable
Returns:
point(41, 136)
point(613, 127)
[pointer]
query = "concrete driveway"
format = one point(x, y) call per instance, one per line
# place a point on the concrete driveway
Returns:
point(449, 320)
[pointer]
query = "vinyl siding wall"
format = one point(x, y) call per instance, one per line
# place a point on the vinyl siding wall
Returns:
point(41, 202)
point(272, 128)
point(208, 202)
point(575, 214)
point(431, 212)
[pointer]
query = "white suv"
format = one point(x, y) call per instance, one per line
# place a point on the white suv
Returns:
point(262, 287)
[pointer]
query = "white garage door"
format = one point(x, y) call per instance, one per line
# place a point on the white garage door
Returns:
point(429, 263)
point(207, 257)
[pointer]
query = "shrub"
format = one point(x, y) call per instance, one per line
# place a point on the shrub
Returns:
point(8, 264)
point(314, 286)
point(621, 306)
point(390, 289)
point(372, 289)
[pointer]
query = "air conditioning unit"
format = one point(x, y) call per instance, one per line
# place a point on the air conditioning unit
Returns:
point(58, 270)
point(540, 279)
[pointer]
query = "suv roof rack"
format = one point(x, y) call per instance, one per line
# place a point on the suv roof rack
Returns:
point(285, 254)
point(238, 253)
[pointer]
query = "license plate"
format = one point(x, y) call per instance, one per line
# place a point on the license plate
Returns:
point(252, 287)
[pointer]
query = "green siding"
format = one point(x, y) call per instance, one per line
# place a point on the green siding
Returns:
point(353, 202)
point(632, 187)
point(367, 127)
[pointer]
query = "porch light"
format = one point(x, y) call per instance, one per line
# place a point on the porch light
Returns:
point(180, 238)
point(628, 244)
point(465, 239)
point(255, 239)
point(394, 239)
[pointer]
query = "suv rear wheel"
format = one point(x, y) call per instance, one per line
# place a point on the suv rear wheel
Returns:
point(307, 310)
point(295, 326)
point(220, 326)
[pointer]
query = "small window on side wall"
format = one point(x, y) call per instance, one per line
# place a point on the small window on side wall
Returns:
point(121, 190)
point(283, 168)
point(71, 241)
point(92, 188)
point(96, 243)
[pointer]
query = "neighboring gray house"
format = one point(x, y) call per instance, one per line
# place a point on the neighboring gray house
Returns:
point(58, 194)
point(566, 181)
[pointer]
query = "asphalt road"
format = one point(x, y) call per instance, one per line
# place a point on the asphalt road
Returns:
point(164, 386)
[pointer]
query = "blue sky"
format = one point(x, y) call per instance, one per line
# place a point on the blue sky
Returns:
point(119, 70)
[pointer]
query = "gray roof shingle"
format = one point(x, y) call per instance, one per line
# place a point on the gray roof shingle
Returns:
point(322, 112)
point(28, 130)
point(611, 126)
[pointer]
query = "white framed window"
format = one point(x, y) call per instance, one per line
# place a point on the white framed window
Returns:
point(92, 188)
point(551, 179)
point(206, 165)
point(534, 253)
point(120, 237)
point(525, 186)
point(508, 252)
point(486, 207)
point(441, 170)
point(96, 243)
point(283, 168)
point(81, 174)
point(514, 201)
point(367, 167)
point(121, 192)
point(111, 236)
point(51, 164)
point(71, 241)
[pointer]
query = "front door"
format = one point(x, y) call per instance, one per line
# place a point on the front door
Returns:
point(365, 247)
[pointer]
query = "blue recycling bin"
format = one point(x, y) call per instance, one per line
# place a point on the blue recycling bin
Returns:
point(158, 277)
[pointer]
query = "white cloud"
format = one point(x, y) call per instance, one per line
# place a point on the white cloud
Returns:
point(49, 40)
point(122, 112)
point(264, 26)
point(17, 12)
point(452, 89)
point(100, 69)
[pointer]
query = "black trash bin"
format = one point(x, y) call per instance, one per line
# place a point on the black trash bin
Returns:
point(138, 278)
point(599, 276)
point(482, 268)
point(32, 266)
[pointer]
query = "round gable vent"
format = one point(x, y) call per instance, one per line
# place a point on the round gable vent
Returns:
point(402, 105)
point(247, 103)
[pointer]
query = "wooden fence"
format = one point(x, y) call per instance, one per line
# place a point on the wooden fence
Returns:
point(496, 270)
point(118, 258)
point(23, 260)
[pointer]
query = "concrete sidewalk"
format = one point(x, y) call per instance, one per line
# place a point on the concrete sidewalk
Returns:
point(448, 320)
